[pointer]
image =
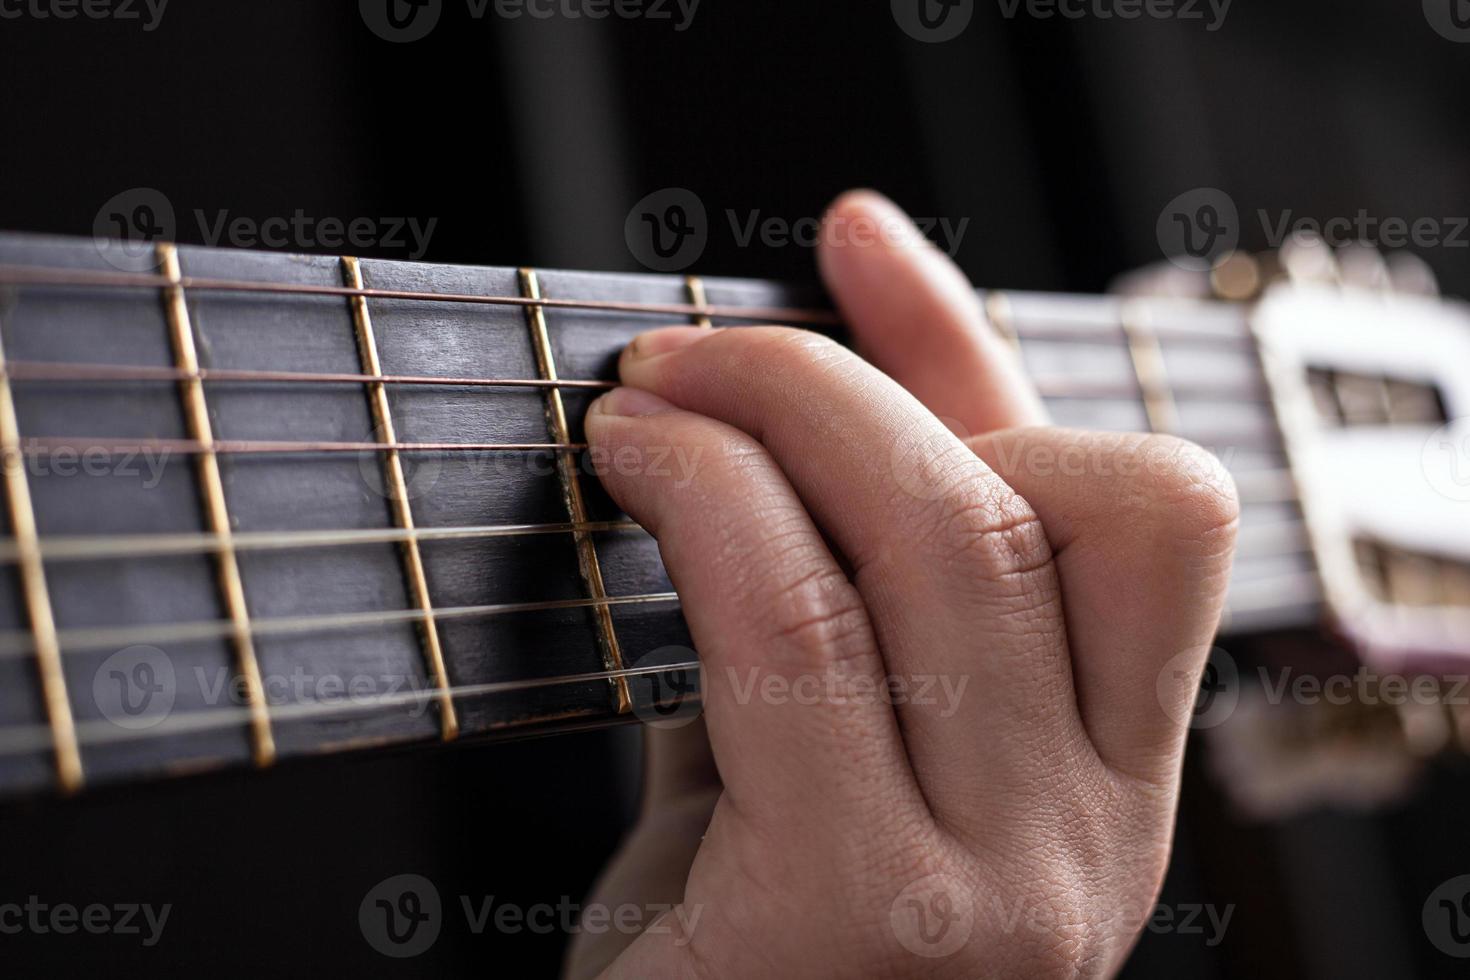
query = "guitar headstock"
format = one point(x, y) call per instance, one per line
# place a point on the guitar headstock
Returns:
point(1371, 386)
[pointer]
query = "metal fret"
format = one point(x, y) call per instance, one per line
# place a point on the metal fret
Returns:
point(556, 416)
point(1002, 321)
point(36, 595)
point(413, 561)
point(1148, 367)
point(217, 514)
point(695, 287)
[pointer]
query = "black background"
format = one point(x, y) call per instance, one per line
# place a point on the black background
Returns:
point(1060, 140)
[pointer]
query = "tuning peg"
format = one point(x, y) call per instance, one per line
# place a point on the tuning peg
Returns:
point(1363, 266)
point(1408, 273)
point(1306, 258)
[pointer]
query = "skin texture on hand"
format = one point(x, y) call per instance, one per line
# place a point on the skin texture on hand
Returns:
point(948, 651)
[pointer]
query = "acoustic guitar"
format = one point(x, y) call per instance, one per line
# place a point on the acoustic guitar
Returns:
point(263, 506)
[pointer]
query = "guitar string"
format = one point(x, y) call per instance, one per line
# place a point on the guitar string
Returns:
point(41, 276)
point(19, 739)
point(29, 372)
point(1286, 593)
point(16, 739)
point(12, 275)
point(1254, 488)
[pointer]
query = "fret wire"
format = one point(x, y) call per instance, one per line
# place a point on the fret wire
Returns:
point(19, 643)
point(694, 286)
point(82, 547)
point(212, 488)
point(587, 563)
point(30, 371)
point(19, 738)
point(37, 596)
point(413, 561)
point(1148, 367)
point(1002, 320)
point(42, 276)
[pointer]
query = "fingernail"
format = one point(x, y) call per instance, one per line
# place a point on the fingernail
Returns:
point(665, 340)
point(631, 402)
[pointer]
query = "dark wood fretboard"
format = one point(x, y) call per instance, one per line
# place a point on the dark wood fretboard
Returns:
point(343, 510)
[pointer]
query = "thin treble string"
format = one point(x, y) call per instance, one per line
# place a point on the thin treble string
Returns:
point(50, 371)
point(35, 445)
point(85, 547)
point(31, 371)
point(18, 739)
point(14, 275)
point(20, 643)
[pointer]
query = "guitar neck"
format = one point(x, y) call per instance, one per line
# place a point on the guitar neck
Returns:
point(262, 506)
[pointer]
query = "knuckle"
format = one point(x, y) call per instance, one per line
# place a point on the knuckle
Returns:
point(994, 537)
point(1190, 492)
point(819, 621)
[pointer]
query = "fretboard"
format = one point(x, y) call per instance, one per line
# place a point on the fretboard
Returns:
point(261, 506)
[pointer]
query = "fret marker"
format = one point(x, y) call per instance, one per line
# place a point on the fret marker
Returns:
point(413, 561)
point(217, 513)
point(556, 418)
point(37, 596)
